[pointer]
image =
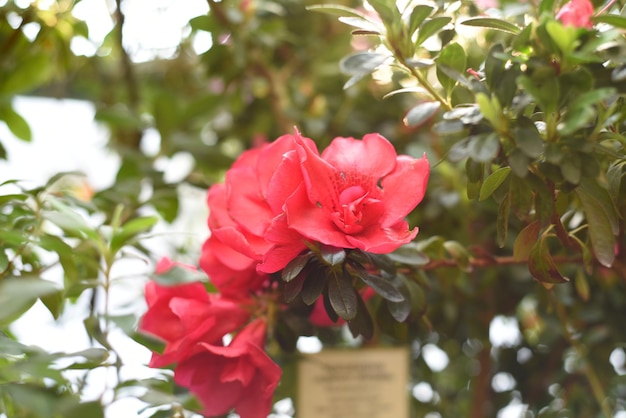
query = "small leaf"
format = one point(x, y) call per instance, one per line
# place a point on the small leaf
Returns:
point(431, 27)
point(362, 324)
point(131, 229)
point(452, 56)
point(492, 23)
point(493, 181)
point(563, 36)
point(484, 148)
point(332, 256)
point(418, 15)
point(525, 241)
point(613, 20)
point(364, 24)
point(337, 10)
point(409, 255)
point(342, 295)
point(602, 238)
point(293, 288)
point(384, 287)
point(527, 138)
point(295, 266)
point(16, 123)
point(541, 265)
point(18, 294)
point(360, 64)
point(313, 286)
point(421, 113)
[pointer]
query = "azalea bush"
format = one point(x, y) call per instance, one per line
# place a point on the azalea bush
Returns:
point(376, 173)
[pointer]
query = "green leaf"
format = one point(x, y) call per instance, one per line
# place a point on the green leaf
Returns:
point(360, 64)
point(418, 15)
point(313, 286)
point(342, 295)
point(362, 324)
point(372, 28)
point(409, 255)
point(386, 9)
point(493, 181)
point(384, 287)
point(295, 266)
point(613, 20)
point(16, 123)
point(17, 295)
point(293, 288)
point(563, 36)
point(527, 138)
point(491, 23)
point(431, 27)
point(525, 241)
point(600, 231)
point(332, 256)
point(452, 56)
point(68, 219)
point(130, 230)
point(601, 195)
point(541, 265)
point(337, 10)
point(484, 148)
point(421, 113)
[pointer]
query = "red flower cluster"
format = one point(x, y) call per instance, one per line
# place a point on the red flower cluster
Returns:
point(577, 13)
point(280, 197)
point(276, 201)
point(193, 324)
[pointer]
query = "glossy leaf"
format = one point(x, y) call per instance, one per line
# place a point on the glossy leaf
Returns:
point(453, 57)
point(493, 181)
point(362, 324)
point(342, 295)
point(491, 23)
point(418, 15)
point(430, 27)
point(295, 266)
point(421, 113)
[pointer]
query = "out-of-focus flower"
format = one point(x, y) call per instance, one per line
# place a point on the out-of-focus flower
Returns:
point(577, 13)
point(240, 376)
point(182, 315)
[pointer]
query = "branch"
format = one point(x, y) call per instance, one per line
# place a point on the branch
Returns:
point(489, 261)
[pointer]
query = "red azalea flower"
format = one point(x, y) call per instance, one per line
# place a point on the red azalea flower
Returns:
point(577, 13)
point(184, 314)
point(241, 213)
point(240, 376)
point(355, 195)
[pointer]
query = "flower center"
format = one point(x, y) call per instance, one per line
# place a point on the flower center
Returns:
point(355, 210)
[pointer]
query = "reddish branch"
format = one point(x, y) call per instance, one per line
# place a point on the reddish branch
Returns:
point(489, 261)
